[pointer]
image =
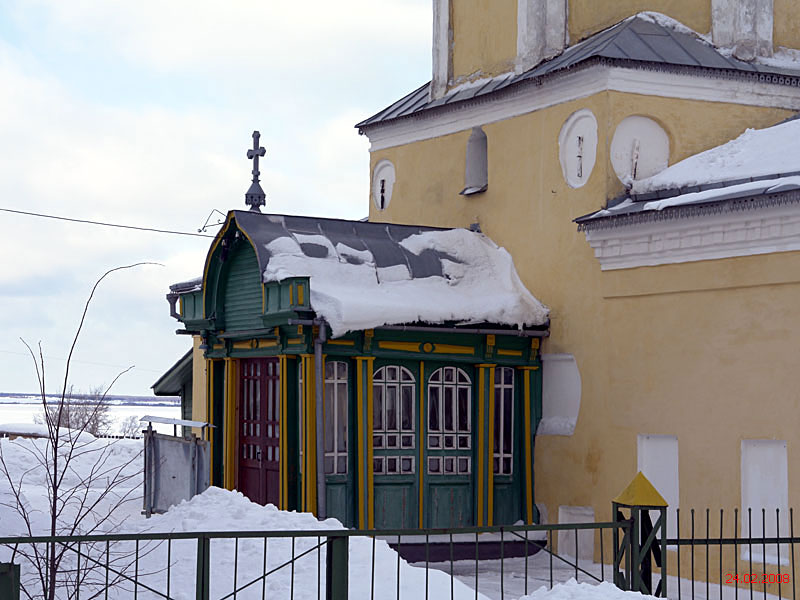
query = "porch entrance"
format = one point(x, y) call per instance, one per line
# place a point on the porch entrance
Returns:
point(259, 430)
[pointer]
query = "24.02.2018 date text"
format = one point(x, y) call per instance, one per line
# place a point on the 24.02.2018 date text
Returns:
point(757, 578)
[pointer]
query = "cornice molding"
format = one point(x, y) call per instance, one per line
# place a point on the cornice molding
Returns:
point(765, 229)
point(592, 78)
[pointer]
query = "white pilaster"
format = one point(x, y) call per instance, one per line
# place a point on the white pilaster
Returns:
point(541, 31)
point(442, 48)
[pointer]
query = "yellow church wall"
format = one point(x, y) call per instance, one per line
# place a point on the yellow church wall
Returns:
point(199, 387)
point(483, 46)
point(786, 28)
point(644, 339)
point(589, 16)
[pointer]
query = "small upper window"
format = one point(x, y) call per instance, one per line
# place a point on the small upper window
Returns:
point(476, 172)
point(383, 179)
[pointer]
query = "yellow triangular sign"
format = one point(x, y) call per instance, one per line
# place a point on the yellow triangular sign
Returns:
point(640, 492)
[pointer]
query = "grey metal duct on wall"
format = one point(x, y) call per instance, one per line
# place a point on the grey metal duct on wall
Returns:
point(476, 173)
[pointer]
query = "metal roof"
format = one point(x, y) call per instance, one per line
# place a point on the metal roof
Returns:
point(637, 39)
point(382, 240)
point(171, 382)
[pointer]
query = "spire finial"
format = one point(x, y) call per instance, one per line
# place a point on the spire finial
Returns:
point(255, 196)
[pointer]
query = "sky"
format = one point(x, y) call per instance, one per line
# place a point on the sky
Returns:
point(141, 113)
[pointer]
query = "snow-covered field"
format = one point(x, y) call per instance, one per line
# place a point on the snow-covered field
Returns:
point(17, 410)
point(243, 561)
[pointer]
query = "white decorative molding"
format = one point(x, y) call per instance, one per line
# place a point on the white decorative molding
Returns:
point(442, 48)
point(762, 230)
point(571, 85)
point(745, 26)
point(577, 147)
point(561, 394)
point(541, 31)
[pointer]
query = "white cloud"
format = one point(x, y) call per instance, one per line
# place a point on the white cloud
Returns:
point(140, 113)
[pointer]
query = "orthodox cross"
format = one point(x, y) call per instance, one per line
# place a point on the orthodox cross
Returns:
point(255, 196)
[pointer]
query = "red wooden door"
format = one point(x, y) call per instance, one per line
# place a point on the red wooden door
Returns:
point(259, 430)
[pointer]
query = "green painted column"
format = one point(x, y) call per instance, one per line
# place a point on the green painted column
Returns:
point(484, 473)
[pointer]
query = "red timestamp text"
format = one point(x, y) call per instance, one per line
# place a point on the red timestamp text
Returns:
point(757, 578)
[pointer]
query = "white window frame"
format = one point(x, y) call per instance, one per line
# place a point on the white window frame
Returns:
point(499, 388)
point(331, 403)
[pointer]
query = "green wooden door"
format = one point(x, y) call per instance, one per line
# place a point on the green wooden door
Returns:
point(395, 444)
point(338, 441)
point(508, 448)
point(450, 447)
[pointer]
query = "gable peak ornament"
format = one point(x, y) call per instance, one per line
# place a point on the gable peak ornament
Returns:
point(255, 197)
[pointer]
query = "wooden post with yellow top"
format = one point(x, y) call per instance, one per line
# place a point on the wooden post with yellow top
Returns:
point(646, 542)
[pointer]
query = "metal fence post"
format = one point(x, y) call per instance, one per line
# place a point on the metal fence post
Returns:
point(9, 581)
point(336, 567)
point(202, 587)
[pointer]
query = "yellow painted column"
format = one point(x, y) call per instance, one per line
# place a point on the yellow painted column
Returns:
point(364, 407)
point(528, 433)
point(229, 438)
point(309, 484)
point(210, 413)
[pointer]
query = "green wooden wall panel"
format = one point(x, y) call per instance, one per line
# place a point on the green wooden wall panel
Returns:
point(242, 293)
point(396, 506)
point(450, 505)
point(339, 503)
point(507, 504)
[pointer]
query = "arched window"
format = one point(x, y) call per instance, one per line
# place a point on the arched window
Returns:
point(449, 422)
point(504, 420)
point(393, 399)
point(336, 417)
point(476, 170)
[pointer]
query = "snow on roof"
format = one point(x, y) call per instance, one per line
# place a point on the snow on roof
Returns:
point(365, 274)
point(478, 283)
point(759, 162)
point(755, 153)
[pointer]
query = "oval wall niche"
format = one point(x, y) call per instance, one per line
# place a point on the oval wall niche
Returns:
point(639, 149)
point(577, 147)
point(383, 179)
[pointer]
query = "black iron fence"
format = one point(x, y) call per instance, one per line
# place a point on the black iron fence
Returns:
point(465, 563)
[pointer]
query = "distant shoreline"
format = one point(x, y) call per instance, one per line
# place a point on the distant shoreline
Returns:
point(116, 399)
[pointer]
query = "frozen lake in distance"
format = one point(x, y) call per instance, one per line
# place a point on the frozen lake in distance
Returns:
point(22, 408)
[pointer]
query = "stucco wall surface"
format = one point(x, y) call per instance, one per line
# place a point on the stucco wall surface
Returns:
point(589, 16)
point(645, 339)
point(484, 37)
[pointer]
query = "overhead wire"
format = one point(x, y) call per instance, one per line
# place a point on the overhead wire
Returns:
point(104, 224)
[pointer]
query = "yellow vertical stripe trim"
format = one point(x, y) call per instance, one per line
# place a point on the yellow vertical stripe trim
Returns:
point(210, 416)
point(300, 294)
point(362, 513)
point(311, 437)
point(421, 465)
point(481, 444)
point(226, 432)
point(370, 476)
point(490, 467)
point(528, 458)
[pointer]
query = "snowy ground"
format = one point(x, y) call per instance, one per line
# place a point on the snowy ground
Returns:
point(220, 511)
